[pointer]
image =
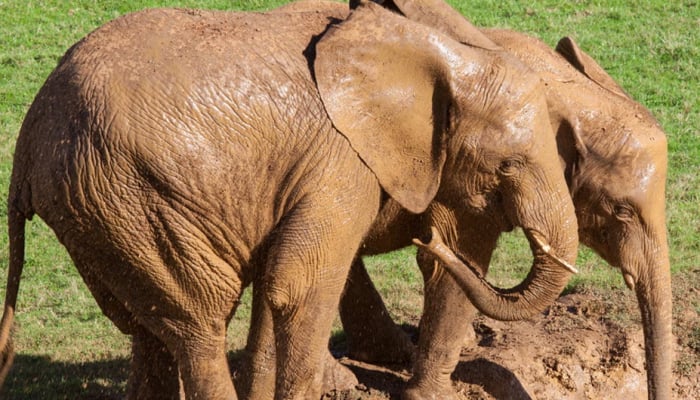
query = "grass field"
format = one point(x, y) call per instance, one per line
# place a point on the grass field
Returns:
point(67, 349)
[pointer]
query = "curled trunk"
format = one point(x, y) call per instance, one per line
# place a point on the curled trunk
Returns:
point(541, 287)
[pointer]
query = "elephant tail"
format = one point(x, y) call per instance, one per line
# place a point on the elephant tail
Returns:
point(16, 223)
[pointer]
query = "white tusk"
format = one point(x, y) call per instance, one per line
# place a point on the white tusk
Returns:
point(547, 249)
point(629, 280)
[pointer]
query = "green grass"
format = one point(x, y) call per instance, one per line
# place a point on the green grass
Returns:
point(67, 349)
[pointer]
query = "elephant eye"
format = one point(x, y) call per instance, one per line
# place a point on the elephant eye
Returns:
point(623, 212)
point(509, 166)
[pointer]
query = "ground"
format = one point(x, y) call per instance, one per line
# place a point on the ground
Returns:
point(586, 346)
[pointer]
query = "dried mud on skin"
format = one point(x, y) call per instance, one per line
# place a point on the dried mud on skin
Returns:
point(586, 346)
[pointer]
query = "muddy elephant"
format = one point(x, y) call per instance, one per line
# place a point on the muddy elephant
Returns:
point(180, 155)
point(614, 156)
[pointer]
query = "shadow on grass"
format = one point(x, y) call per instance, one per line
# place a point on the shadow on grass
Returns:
point(38, 377)
point(35, 377)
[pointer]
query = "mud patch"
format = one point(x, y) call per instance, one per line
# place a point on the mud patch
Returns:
point(589, 345)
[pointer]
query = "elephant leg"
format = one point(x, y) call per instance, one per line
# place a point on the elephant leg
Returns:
point(201, 359)
point(154, 372)
point(307, 269)
point(444, 329)
point(371, 333)
point(257, 378)
point(335, 375)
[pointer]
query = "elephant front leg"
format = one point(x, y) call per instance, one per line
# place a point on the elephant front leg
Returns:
point(306, 271)
point(371, 333)
point(154, 372)
point(257, 379)
point(444, 329)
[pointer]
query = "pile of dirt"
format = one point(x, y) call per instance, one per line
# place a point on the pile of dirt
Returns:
point(586, 346)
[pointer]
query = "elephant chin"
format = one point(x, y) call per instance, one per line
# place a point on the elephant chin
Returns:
point(524, 301)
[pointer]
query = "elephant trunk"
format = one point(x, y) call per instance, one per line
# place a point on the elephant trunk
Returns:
point(653, 289)
point(655, 305)
point(541, 287)
point(549, 223)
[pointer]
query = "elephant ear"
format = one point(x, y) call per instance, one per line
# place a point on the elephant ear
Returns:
point(384, 90)
point(568, 48)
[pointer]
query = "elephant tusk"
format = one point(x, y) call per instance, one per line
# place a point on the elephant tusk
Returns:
point(629, 280)
point(547, 249)
point(436, 246)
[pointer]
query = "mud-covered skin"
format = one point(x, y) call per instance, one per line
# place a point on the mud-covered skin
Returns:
point(180, 155)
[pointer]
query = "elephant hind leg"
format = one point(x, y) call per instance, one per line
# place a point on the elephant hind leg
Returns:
point(256, 379)
point(205, 374)
point(180, 298)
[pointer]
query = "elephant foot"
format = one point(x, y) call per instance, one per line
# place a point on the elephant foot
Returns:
point(432, 392)
point(337, 376)
point(393, 346)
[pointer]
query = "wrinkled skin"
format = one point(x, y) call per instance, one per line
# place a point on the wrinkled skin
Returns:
point(180, 155)
point(614, 157)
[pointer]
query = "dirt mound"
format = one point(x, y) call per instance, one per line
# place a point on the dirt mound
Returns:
point(568, 353)
point(586, 346)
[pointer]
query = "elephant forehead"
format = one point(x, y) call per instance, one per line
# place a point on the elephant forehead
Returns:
point(639, 180)
point(521, 129)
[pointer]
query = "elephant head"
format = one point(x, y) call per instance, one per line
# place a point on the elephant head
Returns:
point(490, 151)
point(614, 157)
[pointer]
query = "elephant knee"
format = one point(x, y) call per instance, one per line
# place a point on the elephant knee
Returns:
point(279, 298)
point(282, 293)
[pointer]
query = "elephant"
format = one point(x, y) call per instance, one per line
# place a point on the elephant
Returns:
point(180, 155)
point(614, 156)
